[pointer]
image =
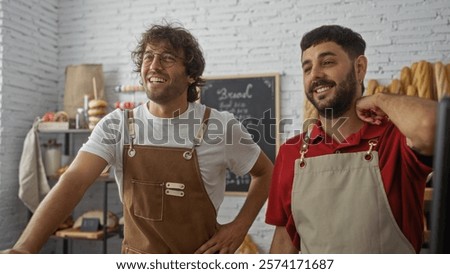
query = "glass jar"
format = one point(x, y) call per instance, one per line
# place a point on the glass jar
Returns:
point(52, 157)
point(80, 119)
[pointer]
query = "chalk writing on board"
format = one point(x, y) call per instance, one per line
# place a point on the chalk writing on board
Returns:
point(253, 101)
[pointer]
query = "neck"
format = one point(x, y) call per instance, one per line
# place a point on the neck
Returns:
point(342, 127)
point(167, 110)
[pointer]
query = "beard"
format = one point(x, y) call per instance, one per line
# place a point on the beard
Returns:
point(163, 94)
point(163, 97)
point(342, 100)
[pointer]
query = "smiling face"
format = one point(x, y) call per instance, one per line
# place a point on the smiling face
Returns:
point(330, 79)
point(164, 75)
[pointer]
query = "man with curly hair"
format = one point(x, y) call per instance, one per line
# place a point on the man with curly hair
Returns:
point(170, 158)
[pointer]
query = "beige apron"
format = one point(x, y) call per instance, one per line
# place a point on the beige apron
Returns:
point(339, 205)
point(166, 207)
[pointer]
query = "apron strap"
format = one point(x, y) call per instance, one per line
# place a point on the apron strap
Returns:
point(126, 114)
point(201, 131)
point(305, 144)
point(130, 133)
point(200, 134)
point(304, 148)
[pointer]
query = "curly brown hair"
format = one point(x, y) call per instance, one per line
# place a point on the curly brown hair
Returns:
point(178, 38)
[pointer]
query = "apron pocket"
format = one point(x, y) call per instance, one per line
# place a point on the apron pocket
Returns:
point(148, 200)
point(130, 250)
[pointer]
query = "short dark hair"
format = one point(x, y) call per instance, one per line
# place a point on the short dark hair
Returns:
point(352, 42)
point(178, 38)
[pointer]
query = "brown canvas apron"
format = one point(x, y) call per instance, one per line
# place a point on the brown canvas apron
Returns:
point(166, 207)
point(339, 205)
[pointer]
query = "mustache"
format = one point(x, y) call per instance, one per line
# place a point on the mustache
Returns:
point(321, 82)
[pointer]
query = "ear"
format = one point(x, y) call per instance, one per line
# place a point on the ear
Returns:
point(361, 68)
point(191, 80)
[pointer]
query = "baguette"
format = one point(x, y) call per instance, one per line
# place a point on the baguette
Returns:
point(413, 73)
point(310, 114)
point(441, 80)
point(405, 78)
point(371, 86)
point(447, 68)
point(310, 110)
point(411, 90)
point(395, 87)
point(380, 89)
point(424, 85)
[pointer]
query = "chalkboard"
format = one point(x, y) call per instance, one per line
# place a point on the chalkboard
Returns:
point(254, 101)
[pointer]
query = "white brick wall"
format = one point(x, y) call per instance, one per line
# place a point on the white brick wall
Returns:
point(40, 38)
point(29, 59)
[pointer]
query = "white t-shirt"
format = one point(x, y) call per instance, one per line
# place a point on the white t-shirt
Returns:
point(226, 143)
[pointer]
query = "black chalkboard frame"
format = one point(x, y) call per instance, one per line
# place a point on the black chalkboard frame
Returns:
point(272, 80)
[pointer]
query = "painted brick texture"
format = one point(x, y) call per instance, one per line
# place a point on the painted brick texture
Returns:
point(40, 38)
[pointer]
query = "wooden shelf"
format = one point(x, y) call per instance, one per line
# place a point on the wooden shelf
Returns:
point(69, 234)
point(65, 131)
point(75, 233)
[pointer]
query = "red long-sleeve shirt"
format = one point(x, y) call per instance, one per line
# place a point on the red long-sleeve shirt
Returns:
point(404, 176)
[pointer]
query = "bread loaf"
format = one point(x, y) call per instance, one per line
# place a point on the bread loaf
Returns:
point(423, 80)
point(433, 83)
point(381, 88)
point(395, 87)
point(247, 246)
point(441, 80)
point(371, 86)
point(309, 115)
point(411, 90)
point(447, 68)
point(405, 78)
point(413, 73)
point(310, 110)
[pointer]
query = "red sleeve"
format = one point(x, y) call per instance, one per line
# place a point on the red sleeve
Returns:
point(276, 213)
point(404, 177)
point(279, 203)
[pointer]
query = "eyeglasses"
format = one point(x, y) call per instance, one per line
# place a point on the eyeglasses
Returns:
point(166, 59)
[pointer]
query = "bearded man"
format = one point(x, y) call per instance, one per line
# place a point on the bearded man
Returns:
point(354, 181)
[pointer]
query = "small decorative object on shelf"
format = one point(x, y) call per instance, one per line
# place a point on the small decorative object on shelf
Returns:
point(54, 121)
point(80, 119)
point(124, 105)
point(52, 157)
point(128, 88)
